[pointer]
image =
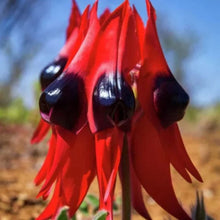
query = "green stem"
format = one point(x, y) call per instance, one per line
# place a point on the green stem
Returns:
point(125, 182)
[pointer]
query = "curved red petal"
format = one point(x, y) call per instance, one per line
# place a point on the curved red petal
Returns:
point(51, 209)
point(74, 41)
point(105, 55)
point(155, 62)
point(108, 153)
point(79, 170)
point(179, 146)
point(128, 48)
point(104, 16)
point(40, 132)
point(74, 19)
point(136, 195)
point(65, 140)
point(79, 67)
point(140, 30)
point(152, 52)
point(73, 173)
point(48, 161)
point(80, 62)
point(152, 167)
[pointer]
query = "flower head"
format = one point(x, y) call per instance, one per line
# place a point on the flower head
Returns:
point(109, 87)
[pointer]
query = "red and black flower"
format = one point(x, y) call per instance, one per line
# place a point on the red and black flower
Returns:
point(111, 85)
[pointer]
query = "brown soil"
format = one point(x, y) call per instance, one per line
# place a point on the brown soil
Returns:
point(19, 163)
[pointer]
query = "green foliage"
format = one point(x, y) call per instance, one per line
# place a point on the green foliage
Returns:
point(101, 215)
point(93, 201)
point(63, 214)
point(16, 112)
point(207, 119)
point(192, 113)
point(89, 207)
point(84, 209)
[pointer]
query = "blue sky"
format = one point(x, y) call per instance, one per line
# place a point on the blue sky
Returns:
point(202, 16)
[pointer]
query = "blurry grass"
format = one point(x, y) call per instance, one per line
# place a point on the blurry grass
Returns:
point(206, 118)
point(17, 113)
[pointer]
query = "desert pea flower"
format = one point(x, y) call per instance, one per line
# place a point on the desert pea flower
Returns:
point(116, 99)
point(56, 67)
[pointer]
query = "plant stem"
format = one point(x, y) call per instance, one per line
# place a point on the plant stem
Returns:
point(125, 182)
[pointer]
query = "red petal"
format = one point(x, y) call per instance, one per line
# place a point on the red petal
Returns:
point(136, 195)
point(40, 132)
point(75, 174)
point(153, 53)
point(48, 161)
point(108, 153)
point(74, 41)
point(140, 30)
point(81, 60)
point(105, 57)
point(79, 66)
point(128, 48)
point(74, 19)
point(152, 167)
point(79, 170)
point(178, 146)
point(104, 16)
point(52, 206)
point(51, 209)
point(65, 140)
point(171, 148)
point(155, 62)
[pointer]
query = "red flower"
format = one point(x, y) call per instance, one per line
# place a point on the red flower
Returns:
point(115, 88)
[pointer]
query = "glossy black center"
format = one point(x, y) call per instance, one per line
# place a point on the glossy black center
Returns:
point(52, 71)
point(113, 102)
point(170, 100)
point(63, 101)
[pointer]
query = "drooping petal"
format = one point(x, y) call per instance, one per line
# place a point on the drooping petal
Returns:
point(56, 202)
point(48, 161)
point(171, 148)
point(152, 167)
point(79, 170)
point(72, 173)
point(136, 194)
point(40, 132)
point(108, 153)
point(176, 147)
point(64, 141)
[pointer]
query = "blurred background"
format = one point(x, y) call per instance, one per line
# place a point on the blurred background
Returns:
point(31, 35)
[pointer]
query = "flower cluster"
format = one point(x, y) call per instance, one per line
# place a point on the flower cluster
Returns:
point(111, 85)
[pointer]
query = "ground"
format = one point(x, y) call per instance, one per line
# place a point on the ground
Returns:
point(20, 161)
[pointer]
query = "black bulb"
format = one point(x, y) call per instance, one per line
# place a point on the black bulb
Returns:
point(52, 71)
point(170, 100)
point(63, 102)
point(113, 102)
